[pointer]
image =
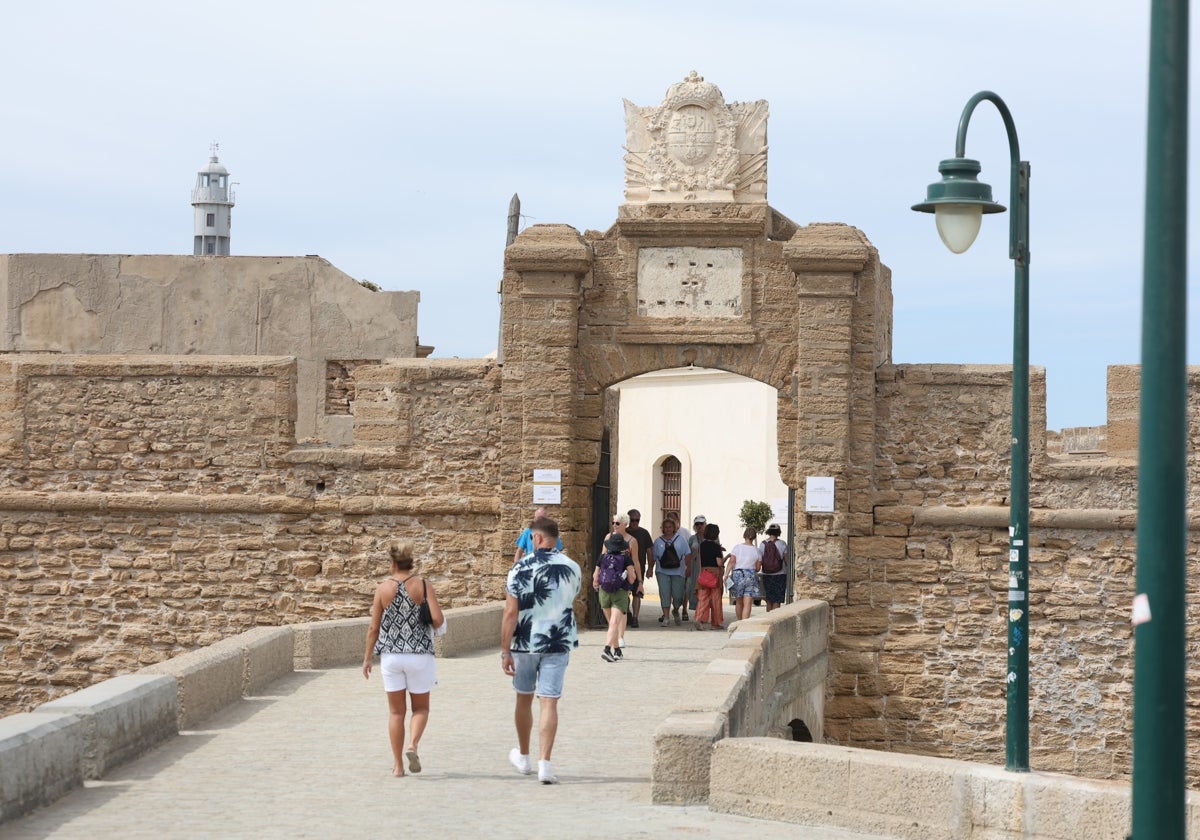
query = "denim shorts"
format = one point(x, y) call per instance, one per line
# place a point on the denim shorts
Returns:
point(540, 673)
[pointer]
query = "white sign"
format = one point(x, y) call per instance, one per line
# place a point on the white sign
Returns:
point(547, 487)
point(818, 494)
point(780, 512)
point(547, 494)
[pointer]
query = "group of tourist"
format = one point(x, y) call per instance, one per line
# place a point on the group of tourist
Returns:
point(692, 570)
point(538, 629)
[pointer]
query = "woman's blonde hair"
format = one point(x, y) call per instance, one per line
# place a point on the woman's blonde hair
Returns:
point(402, 555)
point(620, 517)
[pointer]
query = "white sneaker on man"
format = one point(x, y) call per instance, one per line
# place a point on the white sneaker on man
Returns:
point(521, 762)
point(546, 773)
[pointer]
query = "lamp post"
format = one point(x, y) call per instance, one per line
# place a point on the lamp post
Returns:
point(958, 202)
point(1160, 725)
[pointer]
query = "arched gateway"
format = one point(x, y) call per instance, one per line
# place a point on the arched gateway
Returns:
point(697, 269)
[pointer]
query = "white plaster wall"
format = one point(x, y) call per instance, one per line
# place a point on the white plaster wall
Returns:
point(723, 429)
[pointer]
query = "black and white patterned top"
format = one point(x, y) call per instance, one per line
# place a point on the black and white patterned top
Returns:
point(400, 628)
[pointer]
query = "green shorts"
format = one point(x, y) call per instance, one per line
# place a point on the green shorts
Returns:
point(618, 599)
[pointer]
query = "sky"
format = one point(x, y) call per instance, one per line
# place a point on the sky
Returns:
point(388, 138)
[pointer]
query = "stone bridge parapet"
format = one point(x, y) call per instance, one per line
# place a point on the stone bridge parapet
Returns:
point(770, 672)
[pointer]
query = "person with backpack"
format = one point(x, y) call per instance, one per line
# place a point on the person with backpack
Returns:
point(773, 553)
point(672, 562)
point(613, 579)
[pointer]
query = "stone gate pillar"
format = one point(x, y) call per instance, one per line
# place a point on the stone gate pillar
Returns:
point(844, 301)
point(543, 273)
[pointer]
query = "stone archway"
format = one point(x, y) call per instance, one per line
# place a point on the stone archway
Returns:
point(813, 322)
point(693, 275)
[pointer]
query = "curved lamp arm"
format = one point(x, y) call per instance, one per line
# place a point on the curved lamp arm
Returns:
point(1018, 223)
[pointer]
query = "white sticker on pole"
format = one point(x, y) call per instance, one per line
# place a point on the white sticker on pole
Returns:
point(1015, 595)
point(1012, 582)
point(1013, 555)
point(1141, 609)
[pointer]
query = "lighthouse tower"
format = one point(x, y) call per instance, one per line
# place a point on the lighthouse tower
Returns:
point(212, 203)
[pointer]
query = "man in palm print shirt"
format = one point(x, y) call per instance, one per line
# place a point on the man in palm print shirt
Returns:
point(536, 639)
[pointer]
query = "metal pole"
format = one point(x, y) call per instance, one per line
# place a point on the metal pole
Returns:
point(1016, 731)
point(1016, 728)
point(1159, 692)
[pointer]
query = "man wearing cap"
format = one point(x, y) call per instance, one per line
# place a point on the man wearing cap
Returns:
point(694, 569)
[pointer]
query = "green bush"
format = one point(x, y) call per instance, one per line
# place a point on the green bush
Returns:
point(755, 515)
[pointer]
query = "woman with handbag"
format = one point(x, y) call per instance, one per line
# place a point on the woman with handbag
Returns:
point(708, 584)
point(741, 571)
point(403, 617)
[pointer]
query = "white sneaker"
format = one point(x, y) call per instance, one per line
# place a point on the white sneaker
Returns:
point(521, 762)
point(546, 773)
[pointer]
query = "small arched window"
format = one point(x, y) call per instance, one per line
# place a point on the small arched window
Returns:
point(672, 473)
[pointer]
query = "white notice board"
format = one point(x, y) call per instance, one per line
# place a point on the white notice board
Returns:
point(818, 494)
point(547, 487)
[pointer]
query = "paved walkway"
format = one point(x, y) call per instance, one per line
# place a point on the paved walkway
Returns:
point(311, 760)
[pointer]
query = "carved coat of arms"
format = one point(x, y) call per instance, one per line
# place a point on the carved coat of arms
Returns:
point(695, 147)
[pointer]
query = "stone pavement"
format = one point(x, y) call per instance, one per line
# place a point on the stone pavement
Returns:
point(310, 759)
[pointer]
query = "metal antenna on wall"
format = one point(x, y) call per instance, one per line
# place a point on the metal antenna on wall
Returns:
point(514, 219)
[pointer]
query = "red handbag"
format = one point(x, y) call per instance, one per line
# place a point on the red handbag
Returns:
point(708, 578)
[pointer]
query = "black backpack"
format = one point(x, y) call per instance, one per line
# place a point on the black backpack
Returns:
point(670, 557)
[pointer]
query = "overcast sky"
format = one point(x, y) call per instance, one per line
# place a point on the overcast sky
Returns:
point(388, 137)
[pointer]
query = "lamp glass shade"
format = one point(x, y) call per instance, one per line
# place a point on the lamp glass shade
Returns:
point(958, 224)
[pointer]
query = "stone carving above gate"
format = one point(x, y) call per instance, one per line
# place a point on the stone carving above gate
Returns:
point(689, 282)
point(695, 147)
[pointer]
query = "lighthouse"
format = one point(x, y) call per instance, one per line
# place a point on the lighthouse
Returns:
point(212, 205)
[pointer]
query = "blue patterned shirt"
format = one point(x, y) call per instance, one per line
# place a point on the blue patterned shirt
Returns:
point(545, 584)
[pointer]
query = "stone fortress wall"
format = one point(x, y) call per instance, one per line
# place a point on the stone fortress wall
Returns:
point(153, 504)
point(918, 645)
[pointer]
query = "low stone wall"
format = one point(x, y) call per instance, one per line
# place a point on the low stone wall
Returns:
point(770, 672)
point(53, 749)
point(915, 797)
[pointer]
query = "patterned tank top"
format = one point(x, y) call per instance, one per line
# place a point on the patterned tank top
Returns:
point(400, 628)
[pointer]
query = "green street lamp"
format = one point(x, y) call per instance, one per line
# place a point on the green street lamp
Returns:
point(958, 203)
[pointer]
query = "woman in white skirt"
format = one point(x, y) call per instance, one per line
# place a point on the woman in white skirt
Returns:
point(405, 648)
point(741, 571)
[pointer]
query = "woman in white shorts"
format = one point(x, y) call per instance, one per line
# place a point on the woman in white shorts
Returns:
point(405, 648)
point(741, 573)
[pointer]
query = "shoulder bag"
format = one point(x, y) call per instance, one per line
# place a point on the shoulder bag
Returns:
point(423, 612)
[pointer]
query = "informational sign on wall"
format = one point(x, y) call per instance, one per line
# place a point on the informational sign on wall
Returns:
point(547, 487)
point(818, 494)
point(780, 513)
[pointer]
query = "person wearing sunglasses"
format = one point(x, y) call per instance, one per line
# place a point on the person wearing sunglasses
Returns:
point(645, 556)
point(620, 524)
